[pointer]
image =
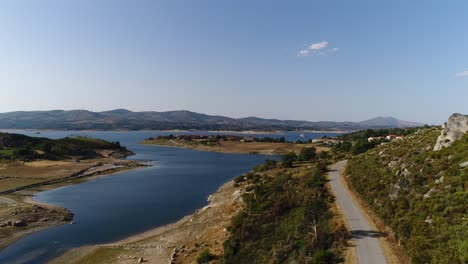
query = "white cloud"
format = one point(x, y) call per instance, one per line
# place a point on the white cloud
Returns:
point(319, 46)
point(462, 74)
point(303, 53)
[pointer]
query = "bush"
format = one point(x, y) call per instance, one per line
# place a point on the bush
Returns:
point(362, 146)
point(205, 256)
point(324, 257)
point(24, 152)
point(307, 154)
point(267, 165)
point(288, 159)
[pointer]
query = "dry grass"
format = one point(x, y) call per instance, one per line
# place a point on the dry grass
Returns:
point(43, 169)
point(265, 148)
point(12, 183)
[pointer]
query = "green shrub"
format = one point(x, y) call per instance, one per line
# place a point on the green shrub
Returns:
point(205, 256)
point(324, 257)
point(307, 154)
point(288, 159)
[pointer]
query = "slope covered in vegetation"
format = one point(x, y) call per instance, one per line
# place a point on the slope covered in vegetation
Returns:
point(286, 218)
point(419, 193)
point(17, 146)
point(358, 142)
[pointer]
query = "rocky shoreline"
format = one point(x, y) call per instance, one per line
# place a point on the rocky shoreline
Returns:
point(179, 242)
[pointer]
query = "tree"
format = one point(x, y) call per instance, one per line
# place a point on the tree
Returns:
point(343, 146)
point(24, 152)
point(307, 154)
point(323, 155)
point(288, 159)
point(47, 147)
point(361, 146)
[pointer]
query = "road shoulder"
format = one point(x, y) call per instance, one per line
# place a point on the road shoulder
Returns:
point(390, 248)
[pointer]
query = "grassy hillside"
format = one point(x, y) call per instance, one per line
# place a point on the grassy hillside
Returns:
point(17, 146)
point(286, 218)
point(420, 193)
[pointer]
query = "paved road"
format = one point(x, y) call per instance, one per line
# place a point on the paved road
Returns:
point(366, 239)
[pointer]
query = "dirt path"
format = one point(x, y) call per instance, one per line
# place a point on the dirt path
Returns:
point(365, 237)
point(5, 200)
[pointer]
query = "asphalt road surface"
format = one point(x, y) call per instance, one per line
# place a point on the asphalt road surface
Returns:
point(368, 247)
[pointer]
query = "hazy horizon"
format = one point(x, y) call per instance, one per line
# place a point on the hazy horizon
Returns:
point(318, 120)
point(299, 60)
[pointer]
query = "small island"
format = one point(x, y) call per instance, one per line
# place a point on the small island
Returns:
point(236, 144)
point(32, 164)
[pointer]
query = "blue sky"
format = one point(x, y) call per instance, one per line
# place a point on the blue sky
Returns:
point(311, 60)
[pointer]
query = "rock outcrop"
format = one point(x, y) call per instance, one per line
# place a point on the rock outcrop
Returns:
point(453, 130)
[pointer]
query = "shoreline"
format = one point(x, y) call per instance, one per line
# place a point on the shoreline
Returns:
point(180, 241)
point(27, 199)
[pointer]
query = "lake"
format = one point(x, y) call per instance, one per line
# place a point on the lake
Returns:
point(114, 207)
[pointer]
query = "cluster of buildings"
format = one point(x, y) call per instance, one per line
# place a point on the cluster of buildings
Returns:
point(209, 137)
point(388, 137)
point(184, 137)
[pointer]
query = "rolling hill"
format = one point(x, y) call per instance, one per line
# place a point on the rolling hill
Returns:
point(122, 119)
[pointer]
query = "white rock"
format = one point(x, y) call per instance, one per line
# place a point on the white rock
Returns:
point(453, 130)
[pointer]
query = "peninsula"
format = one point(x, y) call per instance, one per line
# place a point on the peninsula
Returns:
point(237, 144)
point(31, 164)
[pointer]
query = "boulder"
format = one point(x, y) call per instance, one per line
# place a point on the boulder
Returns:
point(440, 180)
point(401, 184)
point(463, 164)
point(429, 193)
point(454, 129)
point(19, 223)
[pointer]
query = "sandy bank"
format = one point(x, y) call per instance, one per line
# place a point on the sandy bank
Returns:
point(181, 241)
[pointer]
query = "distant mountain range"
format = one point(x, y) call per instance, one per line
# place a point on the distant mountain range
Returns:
point(122, 119)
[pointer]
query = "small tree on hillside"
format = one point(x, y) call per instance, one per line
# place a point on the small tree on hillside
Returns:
point(307, 154)
point(288, 159)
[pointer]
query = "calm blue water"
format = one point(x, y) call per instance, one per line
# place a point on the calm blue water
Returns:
point(117, 206)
